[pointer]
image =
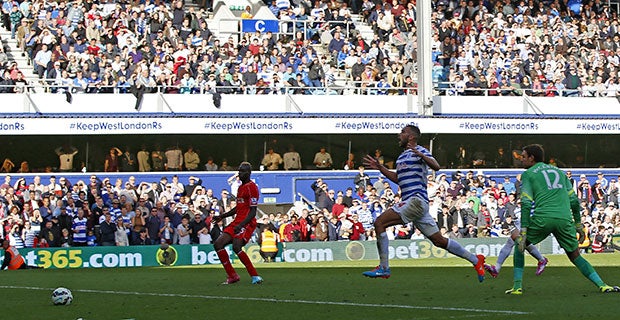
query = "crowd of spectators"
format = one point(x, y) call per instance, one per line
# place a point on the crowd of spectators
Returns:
point(59, 213)
point(541, 48)
point(489, 47)
point(116, 213)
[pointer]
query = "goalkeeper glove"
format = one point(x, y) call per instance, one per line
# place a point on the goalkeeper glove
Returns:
point(521, 240)
point(579, 229)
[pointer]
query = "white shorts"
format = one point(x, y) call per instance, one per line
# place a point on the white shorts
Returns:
point(415, 210)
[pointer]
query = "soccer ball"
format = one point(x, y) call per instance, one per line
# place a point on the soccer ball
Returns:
point(62, 296)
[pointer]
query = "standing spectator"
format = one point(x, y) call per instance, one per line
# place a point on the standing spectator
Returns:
point(398, 40)
point(194, 183)
point(183, 231)
point(16, 18)
point(158, 159)
point(602, 180)
point(349, 164)
point(320, 190)
point(333, 229)
point(50, 234)
point(216, 230)
point(316, 73)
point(15, 236)
point(166, 231)
point(271, 160)
point(197, 227)
point(191, 158)
point(174, 159)
point(143, 160)
point(111, 160)
point(65, 155)
point(178, 14)
point(152, 226)
point(247, 13)
point(120, 234)
point(322, 159)
point(361, 178)
point(128, 161)
point(572, 82)
point(321, 230)
point(358, 233)
point(108, 230)
point(292, 159)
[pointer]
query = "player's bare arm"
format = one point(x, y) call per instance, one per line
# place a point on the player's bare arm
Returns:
point(431, 162)
point(373, 163)
point(230, 213)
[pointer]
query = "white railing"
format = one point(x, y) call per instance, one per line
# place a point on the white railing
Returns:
point(326, 105)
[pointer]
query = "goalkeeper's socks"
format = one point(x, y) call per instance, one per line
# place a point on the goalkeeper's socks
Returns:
point(587, 270)
point(519, 262)
point(383, 246)
point(518, 278)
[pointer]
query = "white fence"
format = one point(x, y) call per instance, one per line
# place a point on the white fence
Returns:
point(326, 105)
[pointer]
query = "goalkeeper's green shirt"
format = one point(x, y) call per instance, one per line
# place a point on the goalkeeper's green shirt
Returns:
point(547, 192)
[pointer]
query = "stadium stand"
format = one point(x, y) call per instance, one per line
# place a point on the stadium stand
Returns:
point(479, 48)
point(486, 48)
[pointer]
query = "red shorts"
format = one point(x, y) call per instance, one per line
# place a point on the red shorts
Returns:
point(246, 232)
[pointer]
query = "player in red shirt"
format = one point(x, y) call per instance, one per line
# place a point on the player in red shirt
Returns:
point(241, 229)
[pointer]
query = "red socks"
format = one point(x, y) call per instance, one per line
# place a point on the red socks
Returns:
point(225, 260)
point(247, 262)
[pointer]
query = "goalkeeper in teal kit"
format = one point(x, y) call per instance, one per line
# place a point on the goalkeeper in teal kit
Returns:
point(547, 200)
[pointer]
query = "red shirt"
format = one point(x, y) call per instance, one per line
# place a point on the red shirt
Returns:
point(93, 49)
point(358, 230)
point(337, 209)
point(247, 197)
point(254, 49)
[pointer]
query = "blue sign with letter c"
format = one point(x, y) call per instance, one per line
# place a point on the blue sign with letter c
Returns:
point(253, 25)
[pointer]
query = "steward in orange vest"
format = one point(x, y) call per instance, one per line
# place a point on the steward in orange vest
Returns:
point(12, 259)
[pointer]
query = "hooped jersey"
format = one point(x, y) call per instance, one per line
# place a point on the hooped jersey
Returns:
point(412, 173)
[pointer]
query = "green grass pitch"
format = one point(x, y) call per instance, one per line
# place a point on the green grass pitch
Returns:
point(418, 289)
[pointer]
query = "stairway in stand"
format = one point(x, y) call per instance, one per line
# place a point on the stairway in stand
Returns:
point(16, 55)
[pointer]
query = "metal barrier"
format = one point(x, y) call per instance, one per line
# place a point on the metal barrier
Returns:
point(348, 88)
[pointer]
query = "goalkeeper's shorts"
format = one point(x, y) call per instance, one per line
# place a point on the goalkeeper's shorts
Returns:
point(563, 230)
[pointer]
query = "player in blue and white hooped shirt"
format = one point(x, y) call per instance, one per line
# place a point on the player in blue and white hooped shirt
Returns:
point(411, 176)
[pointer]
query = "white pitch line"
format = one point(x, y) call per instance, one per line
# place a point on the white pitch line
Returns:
point(350, 304)
point(460, 316)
